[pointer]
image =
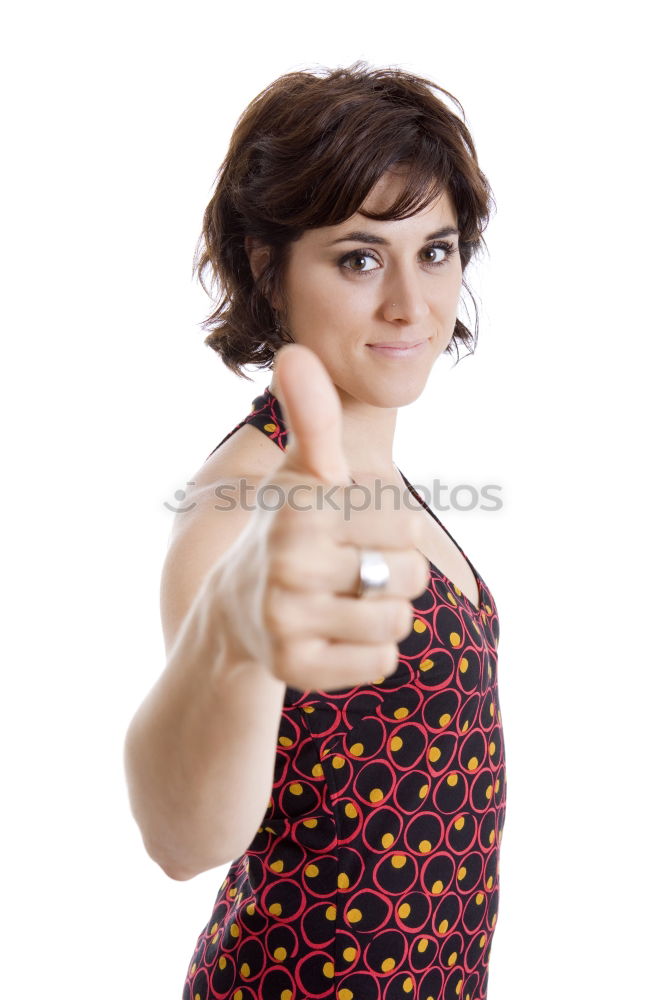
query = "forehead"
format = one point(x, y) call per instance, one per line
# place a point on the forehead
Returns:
point(438, 214)
point(390, 186)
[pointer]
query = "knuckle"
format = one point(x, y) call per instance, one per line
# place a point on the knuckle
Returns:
point(301, 659)
point(403, 619)
point(297, 660)
point(283, 566)
point(393, 621)
point(298, 560)
point(387, 658)
point(384, 623)
point(370, 624)
point(380, 627)
point(314, 567)
point(276, 611)
point(297, 566)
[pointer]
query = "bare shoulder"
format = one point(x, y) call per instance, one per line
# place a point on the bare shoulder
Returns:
point(215, 510)
point(248, 455)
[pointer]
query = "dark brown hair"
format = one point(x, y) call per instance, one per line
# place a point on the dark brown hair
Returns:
point(306, 153)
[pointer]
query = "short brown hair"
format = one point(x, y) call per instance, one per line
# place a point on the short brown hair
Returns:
point(306, 153)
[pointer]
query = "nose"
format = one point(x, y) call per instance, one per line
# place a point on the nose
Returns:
point(404, 299)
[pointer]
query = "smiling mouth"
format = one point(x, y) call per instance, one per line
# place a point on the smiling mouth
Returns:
point(402, 344)
point(397, 349)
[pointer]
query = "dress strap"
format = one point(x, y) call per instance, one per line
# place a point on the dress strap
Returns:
point(266, 414)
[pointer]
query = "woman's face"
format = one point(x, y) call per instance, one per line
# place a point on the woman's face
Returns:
point(363, 283)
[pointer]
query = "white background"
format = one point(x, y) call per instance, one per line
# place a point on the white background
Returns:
point(116, 119)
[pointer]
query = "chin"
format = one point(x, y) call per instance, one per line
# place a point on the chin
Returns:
point(394, 394)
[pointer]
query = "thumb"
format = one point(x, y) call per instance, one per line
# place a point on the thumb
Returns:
point(313, 415)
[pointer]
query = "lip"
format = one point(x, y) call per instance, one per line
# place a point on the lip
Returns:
point(396, 349)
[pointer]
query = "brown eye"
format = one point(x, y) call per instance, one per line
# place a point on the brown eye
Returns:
point(444, 250)
point(359, 262)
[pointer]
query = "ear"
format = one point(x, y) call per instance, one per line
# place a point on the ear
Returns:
point(258, 255)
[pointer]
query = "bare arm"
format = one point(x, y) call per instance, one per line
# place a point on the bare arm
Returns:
point(200, 751)
point(253, 601)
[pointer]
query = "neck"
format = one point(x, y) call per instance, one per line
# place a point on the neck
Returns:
point(367, 436)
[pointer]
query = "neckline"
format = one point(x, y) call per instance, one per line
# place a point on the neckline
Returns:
point(478, 612)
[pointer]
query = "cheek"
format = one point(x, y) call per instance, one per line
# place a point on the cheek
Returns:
point(315, 309)
point(455, 287)
point(449, 295)
point(318, 303)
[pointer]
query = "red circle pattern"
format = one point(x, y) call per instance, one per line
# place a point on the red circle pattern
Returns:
point(374, 874)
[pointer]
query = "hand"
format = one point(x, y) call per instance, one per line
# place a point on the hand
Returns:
point(298, 569)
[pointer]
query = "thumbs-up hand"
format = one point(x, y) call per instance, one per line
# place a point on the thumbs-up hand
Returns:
point(301, 617)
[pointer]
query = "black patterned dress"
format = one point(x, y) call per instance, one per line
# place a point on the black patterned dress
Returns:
point(374, 874)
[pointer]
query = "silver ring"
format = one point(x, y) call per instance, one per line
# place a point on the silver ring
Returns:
point(373, 573)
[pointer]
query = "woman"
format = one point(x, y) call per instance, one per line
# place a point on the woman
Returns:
point(328, 718)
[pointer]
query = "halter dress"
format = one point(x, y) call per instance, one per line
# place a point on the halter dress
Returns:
point(374, 873)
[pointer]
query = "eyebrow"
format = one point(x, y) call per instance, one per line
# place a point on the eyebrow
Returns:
point(360, 237)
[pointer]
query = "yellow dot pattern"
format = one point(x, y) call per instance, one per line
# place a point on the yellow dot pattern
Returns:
point(387, 808)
